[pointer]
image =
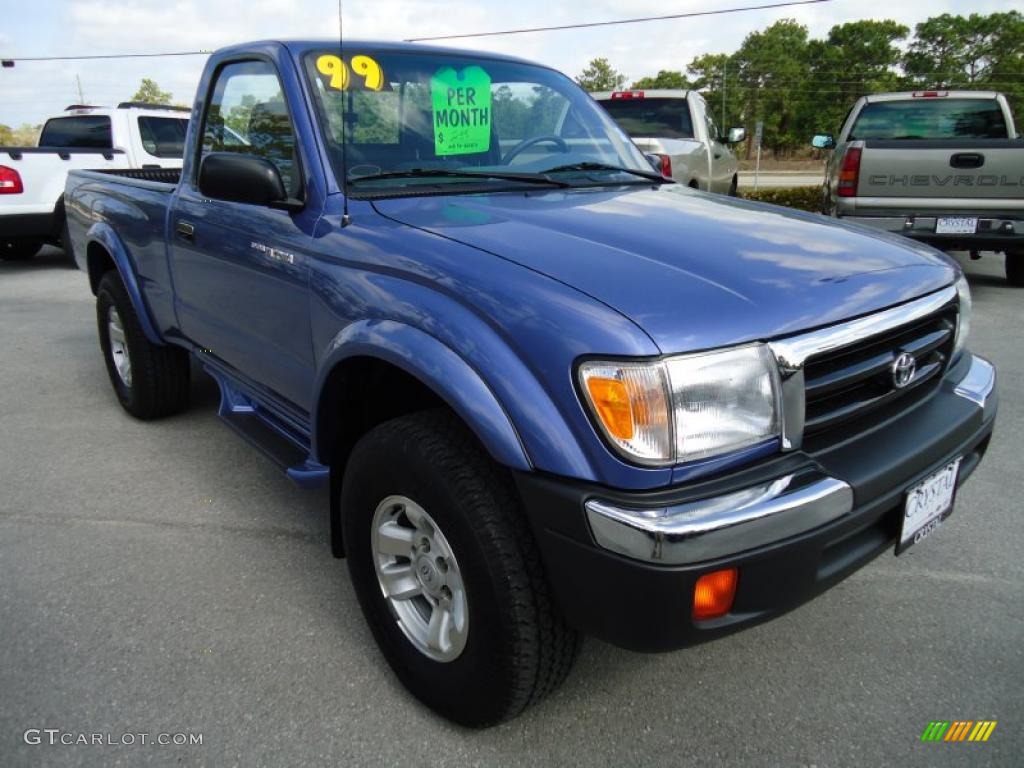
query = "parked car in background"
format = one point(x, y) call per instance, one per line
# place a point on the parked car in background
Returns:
point(676, 126)
point(943, 167)
point(131, 135)
point(551, 391)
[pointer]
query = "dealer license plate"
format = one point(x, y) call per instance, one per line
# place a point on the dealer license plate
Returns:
point(928, 503)
point(956, 225)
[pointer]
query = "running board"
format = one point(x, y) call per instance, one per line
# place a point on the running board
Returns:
point(258, 426)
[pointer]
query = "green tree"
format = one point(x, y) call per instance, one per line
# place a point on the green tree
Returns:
point(6, 136)
point(856, 58)
point(770, 65)
point(707, 74)
point(149, 93)
point(664, 79)
point(599, 75)
point(969, 51)
point(27, 135)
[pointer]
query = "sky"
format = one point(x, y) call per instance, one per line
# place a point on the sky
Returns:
point(32, 91)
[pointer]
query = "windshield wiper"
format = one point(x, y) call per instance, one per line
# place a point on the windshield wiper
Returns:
point(587, 166)
point(426, 173)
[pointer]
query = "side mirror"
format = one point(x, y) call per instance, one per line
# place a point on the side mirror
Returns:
point(823, 141)
point(735, 135)
point(243, 178)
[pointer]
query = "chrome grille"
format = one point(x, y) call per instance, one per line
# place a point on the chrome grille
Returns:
point(856, 380)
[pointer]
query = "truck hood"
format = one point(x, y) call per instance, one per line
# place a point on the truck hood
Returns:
point(692, 270)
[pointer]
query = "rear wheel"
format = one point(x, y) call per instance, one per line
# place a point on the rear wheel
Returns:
point(19, 250)
point(150, 380)
point(447, 572)
point(1015, 268)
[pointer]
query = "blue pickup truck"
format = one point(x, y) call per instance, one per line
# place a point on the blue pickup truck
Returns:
point(552, 392)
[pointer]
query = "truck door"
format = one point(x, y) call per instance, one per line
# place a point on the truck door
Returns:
point(720, 175)
point(241, 271)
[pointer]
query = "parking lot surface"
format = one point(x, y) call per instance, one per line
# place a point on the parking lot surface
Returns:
point(165, 578)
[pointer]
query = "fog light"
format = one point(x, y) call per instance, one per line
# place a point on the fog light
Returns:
point(714, 593)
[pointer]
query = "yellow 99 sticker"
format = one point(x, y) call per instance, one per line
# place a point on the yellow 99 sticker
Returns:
point(339, 77)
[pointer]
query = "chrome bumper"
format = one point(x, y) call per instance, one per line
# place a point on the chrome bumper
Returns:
point(723, 525)
point(979, 384)
point(706, 529)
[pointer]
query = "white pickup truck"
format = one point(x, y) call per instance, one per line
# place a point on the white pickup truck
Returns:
point(131, 135)
point(676, 130)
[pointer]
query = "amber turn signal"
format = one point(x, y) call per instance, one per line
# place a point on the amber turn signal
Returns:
point(714, 593)
point(611, 401)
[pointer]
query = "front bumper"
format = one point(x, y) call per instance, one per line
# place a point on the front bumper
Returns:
point(623, 565)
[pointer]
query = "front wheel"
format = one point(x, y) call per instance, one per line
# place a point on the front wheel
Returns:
point(150, 380)
point(1015, 268)
point(448, 574)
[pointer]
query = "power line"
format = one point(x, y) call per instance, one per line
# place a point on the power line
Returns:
point(108, 56)
point(619, 21)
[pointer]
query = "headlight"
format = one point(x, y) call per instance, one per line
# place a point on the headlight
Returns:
point(963, 318)
point(688, 407)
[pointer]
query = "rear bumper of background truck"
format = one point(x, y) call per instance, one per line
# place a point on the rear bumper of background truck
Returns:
point(794, 525)
point(997, 231)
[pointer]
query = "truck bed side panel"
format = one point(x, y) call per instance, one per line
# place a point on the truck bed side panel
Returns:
point(137, 211)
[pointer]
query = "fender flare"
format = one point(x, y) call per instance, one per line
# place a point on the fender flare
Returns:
point(103, 234)
point(439, 368)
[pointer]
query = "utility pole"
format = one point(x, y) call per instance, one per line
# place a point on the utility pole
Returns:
point(725, 72)
point(81, 97)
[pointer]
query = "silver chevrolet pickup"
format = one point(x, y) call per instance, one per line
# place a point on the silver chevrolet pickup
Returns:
point(943, 167)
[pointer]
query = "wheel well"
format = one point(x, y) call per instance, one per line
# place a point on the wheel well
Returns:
point(99, 262)
point(359, 394)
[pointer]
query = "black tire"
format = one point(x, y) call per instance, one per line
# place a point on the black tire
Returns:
point(518, 648)
point(19, 250)
point(734, 187)
point(159, 381)
point(1015, 268)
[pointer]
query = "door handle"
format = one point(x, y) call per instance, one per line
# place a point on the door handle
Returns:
point(185, 231)
point(967, 160)
point(718, 157)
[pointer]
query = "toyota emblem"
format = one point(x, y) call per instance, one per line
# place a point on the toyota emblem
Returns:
point(903, 369)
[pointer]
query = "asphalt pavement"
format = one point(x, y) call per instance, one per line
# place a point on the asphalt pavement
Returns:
point(165, 578)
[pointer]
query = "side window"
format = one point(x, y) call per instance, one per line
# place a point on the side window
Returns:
point(163, 136)
point(247, 113)
point(713, 133)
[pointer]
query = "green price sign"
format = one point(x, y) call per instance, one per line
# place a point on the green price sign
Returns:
point(462, 111)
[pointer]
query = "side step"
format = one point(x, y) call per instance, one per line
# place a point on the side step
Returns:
point(258, 426)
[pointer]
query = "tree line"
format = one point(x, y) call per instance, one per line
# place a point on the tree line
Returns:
point(798, 86)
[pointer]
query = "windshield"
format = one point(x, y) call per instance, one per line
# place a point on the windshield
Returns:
point(652, 118)
point(419, 119)
point(932, 118)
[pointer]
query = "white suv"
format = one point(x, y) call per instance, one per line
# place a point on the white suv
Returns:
point(130, 135)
